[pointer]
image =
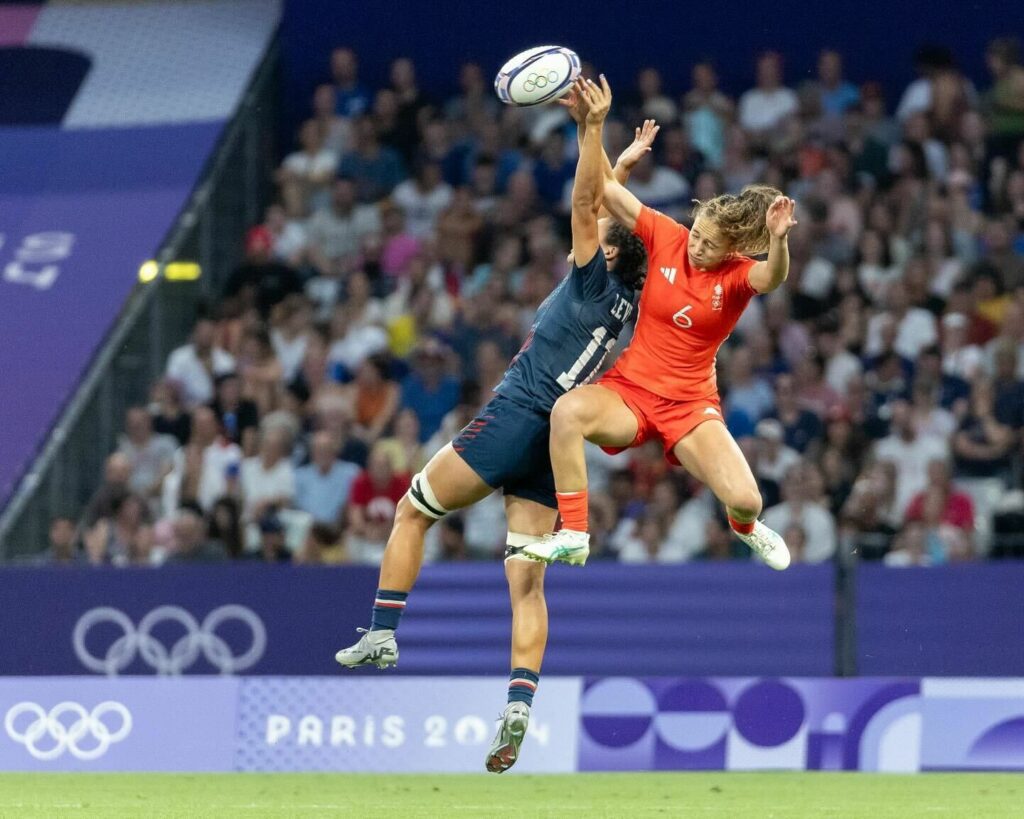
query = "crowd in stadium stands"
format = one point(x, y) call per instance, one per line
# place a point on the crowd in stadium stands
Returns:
point(879, 395)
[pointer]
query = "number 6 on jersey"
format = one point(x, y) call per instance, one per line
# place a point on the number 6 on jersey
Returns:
point(680, 319)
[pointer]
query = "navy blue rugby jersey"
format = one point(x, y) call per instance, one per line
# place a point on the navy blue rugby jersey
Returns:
point(573, 332)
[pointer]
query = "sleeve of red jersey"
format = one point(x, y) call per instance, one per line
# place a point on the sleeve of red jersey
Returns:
point(655, 228)
point(738, 280)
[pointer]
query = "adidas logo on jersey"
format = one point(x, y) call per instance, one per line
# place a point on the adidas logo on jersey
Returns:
point(669, 273)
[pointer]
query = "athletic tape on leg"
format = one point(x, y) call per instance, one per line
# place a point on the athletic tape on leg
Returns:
point(423, 498)
point(515, 543)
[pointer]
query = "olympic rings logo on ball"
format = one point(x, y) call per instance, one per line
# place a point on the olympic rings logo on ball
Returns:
point(46, 727)
point(537, 81)
point(177, 657)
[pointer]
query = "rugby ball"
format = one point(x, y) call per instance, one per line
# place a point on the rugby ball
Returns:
point(537, 75)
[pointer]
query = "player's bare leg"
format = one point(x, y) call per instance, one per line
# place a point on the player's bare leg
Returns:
point(456, 486)
point(526, 519)
point(598, 415)
point(711, 455)
point(451, 484)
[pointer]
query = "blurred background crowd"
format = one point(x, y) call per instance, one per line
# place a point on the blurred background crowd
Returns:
point(879, 395)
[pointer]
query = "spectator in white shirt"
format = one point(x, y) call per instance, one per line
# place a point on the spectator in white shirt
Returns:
point(337, 130)
point(935, 65)
point(674, 545)
point(206, 468)
point(195, 366)
point(930, 419)
point(423, 199)
point(841, 366)
point(763, 108)
point(659, 187)
point(875, 268)
point(959, 358)
point(910, 453)
point(647, 545)
point(654, 104)
point(291, 322)
point(268, 479)
point(151, 456)
point(774, 458)
point(915, 327)
point(357, 325)
point(305, 175)
point(288, 236)
point(335, 234)
point(800, 509)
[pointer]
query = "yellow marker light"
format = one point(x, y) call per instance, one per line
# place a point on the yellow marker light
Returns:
point(148, 271)
point(182, 271)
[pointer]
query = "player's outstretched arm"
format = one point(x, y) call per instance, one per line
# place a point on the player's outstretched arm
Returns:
point(635, 151)
point(622, 205)
point(619, 203)
point(768, 275)
point(577, 106)
point(630, 156)
point(588, 187)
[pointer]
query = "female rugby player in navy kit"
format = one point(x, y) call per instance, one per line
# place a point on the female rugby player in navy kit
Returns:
point(506, 446)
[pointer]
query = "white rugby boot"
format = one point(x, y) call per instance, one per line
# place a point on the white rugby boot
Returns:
point(564, 546)
point(377, 648)
point(768, 545)
point(511, 731)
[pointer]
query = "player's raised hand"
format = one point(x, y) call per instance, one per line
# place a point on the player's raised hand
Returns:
point(575, 103)
point(598, 98)
point(780, 216)
point(640, 145)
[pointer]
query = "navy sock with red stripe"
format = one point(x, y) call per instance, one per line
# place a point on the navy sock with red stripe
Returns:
point(522, 685)
point(388, 606)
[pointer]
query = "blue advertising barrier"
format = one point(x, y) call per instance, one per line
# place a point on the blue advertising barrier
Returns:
point(445, 724)
point(699, 619)
point(963, 619)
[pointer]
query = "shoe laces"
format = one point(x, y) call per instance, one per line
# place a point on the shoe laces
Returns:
point(765, 545)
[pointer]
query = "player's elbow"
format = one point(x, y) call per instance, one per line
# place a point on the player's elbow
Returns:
point(770, 286)
point(586, 200)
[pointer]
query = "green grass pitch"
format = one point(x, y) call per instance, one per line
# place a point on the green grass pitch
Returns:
point(732, 795)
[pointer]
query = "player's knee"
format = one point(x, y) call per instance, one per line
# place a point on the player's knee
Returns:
point(420, 504)
point(745, 501)
point(406, 514)
point(570, 414)
point(525, 580)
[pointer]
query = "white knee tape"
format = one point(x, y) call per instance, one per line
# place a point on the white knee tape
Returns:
point(515, 542)
point(423, 498)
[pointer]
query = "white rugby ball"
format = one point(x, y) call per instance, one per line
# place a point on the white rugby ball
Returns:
point(537, 75)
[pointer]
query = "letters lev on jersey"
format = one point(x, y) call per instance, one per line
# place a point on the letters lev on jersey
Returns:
point(575, 328)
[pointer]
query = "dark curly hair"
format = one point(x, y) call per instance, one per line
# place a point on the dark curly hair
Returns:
point(631, 263)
